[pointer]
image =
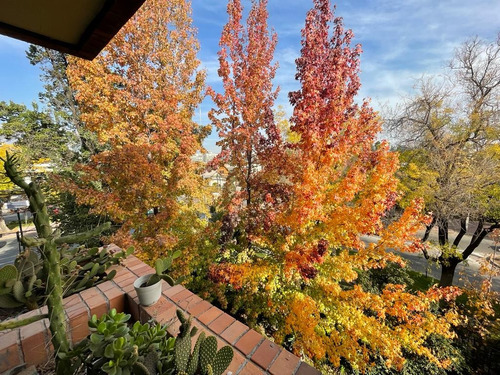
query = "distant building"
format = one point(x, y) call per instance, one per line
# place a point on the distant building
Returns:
point(203, 157)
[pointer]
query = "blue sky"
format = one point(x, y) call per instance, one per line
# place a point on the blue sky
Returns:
point(401, 40)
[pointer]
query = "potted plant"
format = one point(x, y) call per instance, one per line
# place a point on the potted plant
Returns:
point(148, 287)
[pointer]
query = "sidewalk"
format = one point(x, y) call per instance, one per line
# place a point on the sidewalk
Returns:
point(486, 248)
point(9, 247)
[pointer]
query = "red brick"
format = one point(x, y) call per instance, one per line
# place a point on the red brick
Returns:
point(128, 288)
point(236, 363)
point(132, 304)
point(95, 301)
point(234, 332)
point(181, 296)
point(250, 369)
point(156, 310)
point(142, 269)
point(189, 302)
point(199, 308)
point(285, 364)
point(209, 316)
point(173, 327)
point(114, 295)
point(221, 323)
point(125, 278)
point(265, 353)
point(249, 341)
point(78, 317)
point(107, 285)
point(10, 352)
point(305, 369)
point(34, 342)
point(121, 272)
point(131, 261)
point(173, 290)
point(71, 300)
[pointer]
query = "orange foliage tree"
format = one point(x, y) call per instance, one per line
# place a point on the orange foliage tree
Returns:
point(139, 96)
point(336, 184)
point(249, 138)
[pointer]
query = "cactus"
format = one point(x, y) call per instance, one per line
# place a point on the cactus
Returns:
point(182, 349)
point(78, 272)
point(205, 359)
point(213, 361)
point(208, 351)
point(48, 241)
point(222, 360)
point(19, 281)
point(148, 365)
point(163, 265)
point(7, 273)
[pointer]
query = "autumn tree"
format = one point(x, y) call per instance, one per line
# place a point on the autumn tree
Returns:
point(448, 134)
point(339, 185)
point(139, 96)
point(249, 138)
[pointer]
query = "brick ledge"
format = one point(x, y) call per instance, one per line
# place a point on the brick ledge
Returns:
point(253, 353)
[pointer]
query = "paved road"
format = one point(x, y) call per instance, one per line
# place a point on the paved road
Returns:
point(10, 217)
point(466, 271)
point(9, 247)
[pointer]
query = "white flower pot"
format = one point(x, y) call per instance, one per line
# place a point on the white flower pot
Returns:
point(148, 295)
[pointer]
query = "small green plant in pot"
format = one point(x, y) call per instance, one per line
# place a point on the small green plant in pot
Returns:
point(148, 287)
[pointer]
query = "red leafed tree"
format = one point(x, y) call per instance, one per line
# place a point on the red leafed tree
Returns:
point(339, 183)
point(139, 95)
point(250, 140)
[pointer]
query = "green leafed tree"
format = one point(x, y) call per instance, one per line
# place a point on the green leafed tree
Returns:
point(448, 136)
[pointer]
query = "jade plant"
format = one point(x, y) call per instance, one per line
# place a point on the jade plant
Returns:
point(116, 348)
point(49, 242)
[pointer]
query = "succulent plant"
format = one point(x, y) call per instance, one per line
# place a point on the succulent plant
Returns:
point(205, 359)
point(81, 268)
point(18, 282)
point(162, 266)
point(49, 242)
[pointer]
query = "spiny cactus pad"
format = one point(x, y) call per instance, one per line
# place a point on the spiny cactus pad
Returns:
point(208, 350)
point(222, 360)
point(7, 272)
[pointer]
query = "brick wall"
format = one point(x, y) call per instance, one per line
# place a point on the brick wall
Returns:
point(253, 353)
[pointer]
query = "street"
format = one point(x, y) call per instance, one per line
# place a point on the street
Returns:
point(467, 271)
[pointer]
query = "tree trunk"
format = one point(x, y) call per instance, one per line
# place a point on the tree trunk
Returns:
point(463, 230)
point(428, 229)
point(448, 268)
point(443, 231)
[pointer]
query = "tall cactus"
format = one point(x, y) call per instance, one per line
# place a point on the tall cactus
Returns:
point(48, 242)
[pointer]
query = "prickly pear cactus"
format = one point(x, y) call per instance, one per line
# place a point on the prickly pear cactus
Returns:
point(222, 360)
point(182, 349)
point(18, 281)
point(213, 362)
point(205, 359)
point(208, 351)
point(8, 272)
